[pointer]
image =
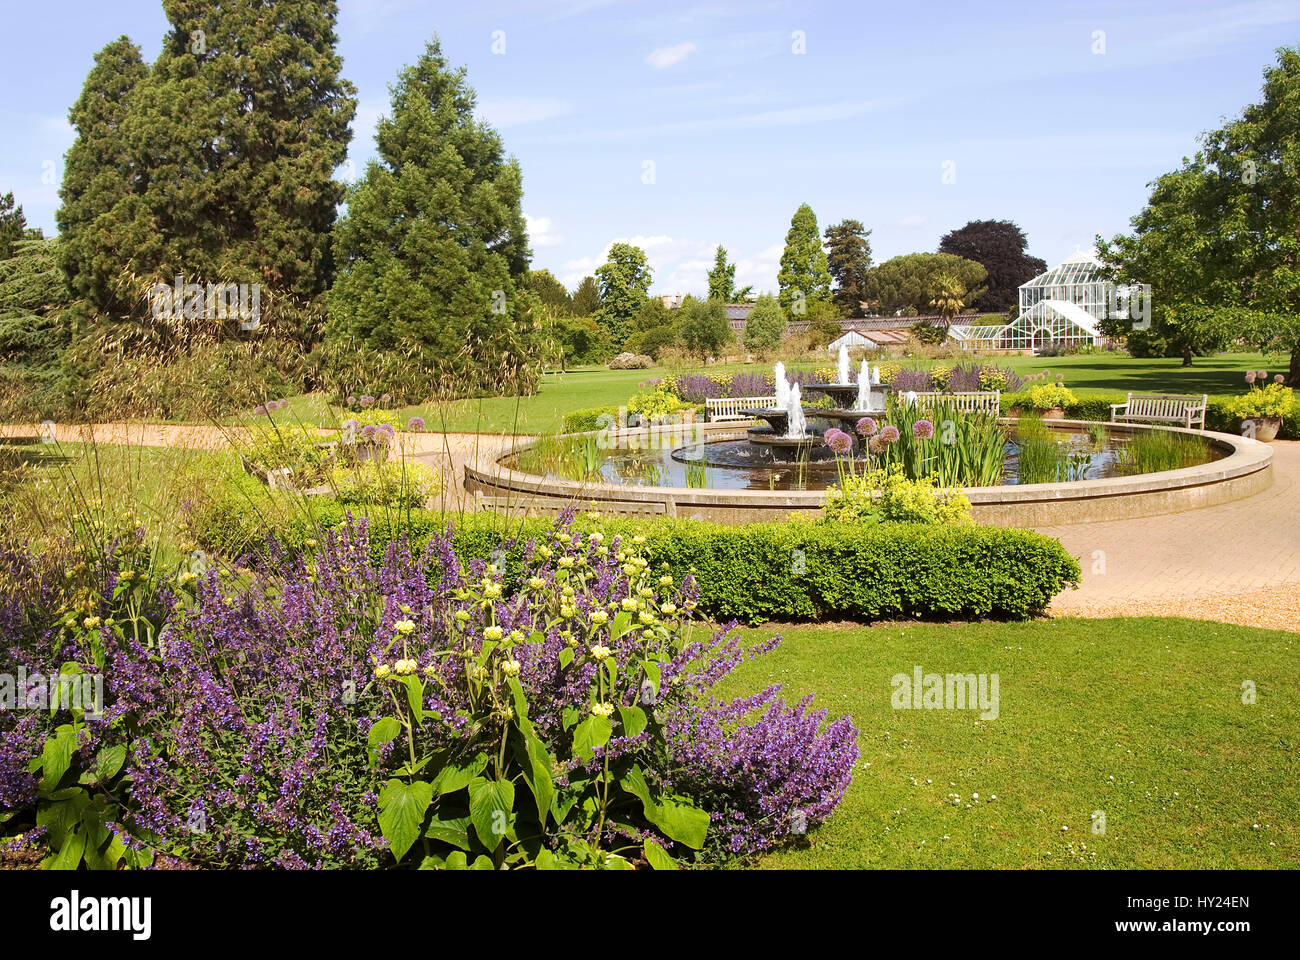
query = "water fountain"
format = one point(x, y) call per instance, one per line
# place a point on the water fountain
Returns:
point(852, 401)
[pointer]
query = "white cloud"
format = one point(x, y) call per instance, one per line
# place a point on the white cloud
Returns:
point(513, 111)
point(539, 232)
point(667, 56)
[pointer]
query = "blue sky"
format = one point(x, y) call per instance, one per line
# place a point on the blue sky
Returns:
point(681, 125)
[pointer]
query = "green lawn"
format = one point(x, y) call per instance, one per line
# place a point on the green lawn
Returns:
point(1142, 719)
point(597, 387)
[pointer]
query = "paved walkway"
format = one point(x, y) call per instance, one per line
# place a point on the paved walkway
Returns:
point(1237, 563)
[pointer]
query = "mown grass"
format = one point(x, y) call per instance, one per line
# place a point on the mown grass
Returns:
point(1141, 719)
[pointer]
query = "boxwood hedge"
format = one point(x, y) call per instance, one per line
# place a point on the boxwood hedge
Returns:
point(793, 571)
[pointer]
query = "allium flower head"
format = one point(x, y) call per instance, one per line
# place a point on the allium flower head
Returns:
point(923, 429)
point(839, 441)
point(1262, 375)
point(352, 401)
point(367, 401)
point(1250, 376)
point(866, 427)
point(385, 398)
point(415, 424)
point(1279, 378)
point(259, 411)
point(889, 433)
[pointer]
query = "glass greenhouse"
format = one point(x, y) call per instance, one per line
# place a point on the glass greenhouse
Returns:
point(1060, 306)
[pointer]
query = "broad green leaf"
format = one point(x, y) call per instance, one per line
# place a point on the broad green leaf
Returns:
point(570, 716)
point(542, 782)
point(453, 778)
point(682, 822)
point(521, 701)
point(633, 720)
point(62, 815)
point(68, 856)
point(56, 757)
point(658, 857)
point(652, 672)
point(482, 863)
point(401, 813)
point(454, 831)
point(490, 804)
point(384, 731)
point(615, 862)
point(108, 762)
point(414, 696)
point(591, 733)
point(622, 622)
point(566, 657)
point(456, 860)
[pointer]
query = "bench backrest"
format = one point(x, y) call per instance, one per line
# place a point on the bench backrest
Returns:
point(967, 401)
point(731, 406)
point(1163, 404)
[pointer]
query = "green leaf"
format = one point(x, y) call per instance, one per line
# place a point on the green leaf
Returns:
point(68, 856)
point(454, 831)
point(570, 716)
point(482, 863)
point(385, 730)
point(490, 804)
point(652, 672)
point(682, 822)
point(521, 700)
point(633, 720)
point(56, 757)
point(541, 781)
point(401, 813)
point(108, 762)
point(453, 778)
point(658, 857)
point(591, 733)
point(414, 696)
point(566, 657)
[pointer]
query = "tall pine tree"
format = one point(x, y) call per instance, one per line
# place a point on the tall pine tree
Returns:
point(803, 276)
point(722, 278)
point(433, 254)
point(848, 258)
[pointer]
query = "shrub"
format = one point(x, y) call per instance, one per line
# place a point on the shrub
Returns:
point(888, 496)
point(328, 711)
point(1272, 400)
point(631, 361)
point(1047, 396)
point(388, 483)
point(590, 418)
point(746, 572)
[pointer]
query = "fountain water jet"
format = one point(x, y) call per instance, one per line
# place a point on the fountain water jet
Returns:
point(843, 364)
point(782, 387)
point(798, 423)
point(864, 388)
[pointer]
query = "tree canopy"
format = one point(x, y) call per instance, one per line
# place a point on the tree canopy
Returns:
point(910, 280)
point(848, 257)
point(624, 284)
point(433, 254)
point(722, 278)
point(803, 275)
point(999, 246)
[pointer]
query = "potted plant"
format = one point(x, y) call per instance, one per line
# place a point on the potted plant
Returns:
point(1261, 409)
point(1049, 400)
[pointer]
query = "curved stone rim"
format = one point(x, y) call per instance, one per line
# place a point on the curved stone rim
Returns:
point(1245, 456)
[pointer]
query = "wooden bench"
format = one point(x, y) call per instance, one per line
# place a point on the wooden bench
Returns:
point(967, 401)
point(722, 409)
point(1184, 409)
point(527, 504)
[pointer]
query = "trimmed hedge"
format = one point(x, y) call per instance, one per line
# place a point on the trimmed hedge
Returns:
point(585, 420)
point(1097, 407)
point(795, 571)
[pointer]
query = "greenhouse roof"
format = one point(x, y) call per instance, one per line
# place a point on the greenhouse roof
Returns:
point(1081, 268)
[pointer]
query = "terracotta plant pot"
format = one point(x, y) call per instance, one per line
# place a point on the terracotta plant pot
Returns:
point(1056, 413)
point(1261, 428)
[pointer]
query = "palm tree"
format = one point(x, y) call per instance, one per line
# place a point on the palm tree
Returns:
point(949, 297)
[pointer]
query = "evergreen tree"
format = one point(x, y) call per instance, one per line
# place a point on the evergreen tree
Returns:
point(32, 298)
point(999, 247)
point(586, 299)
point(231, 142)
point(804, 276)
point(766, 325)
point(433, 254)
point(848, 257)
point(722, 278)
point(624, 282)
point(909, 281)
point(550, 292)
point(13, 225)
point(98, 172)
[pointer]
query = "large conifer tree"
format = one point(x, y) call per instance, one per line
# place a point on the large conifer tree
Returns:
point(804, 276)
point(433, 254)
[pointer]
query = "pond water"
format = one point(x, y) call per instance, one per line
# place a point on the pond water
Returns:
point(737, 464)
